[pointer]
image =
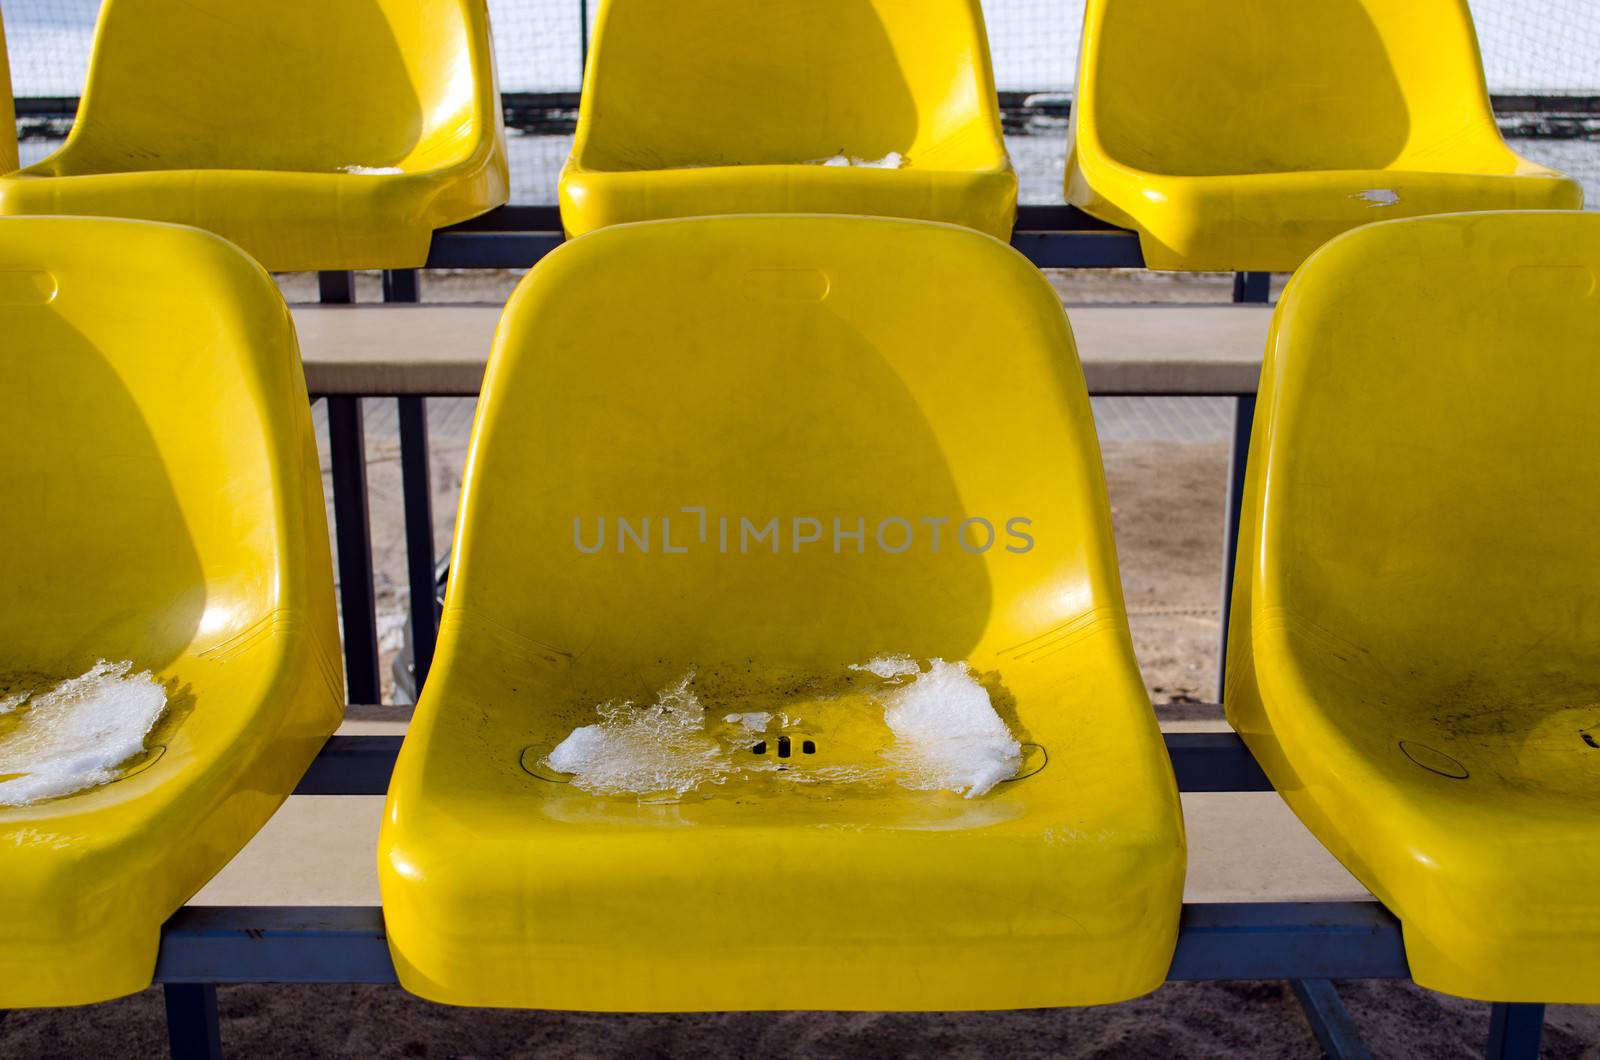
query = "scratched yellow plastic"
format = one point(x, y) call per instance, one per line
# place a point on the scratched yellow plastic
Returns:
point(1247, 138)
point(163, 505)
point(695, 107)
point(1414, 622)
point(246, 117)
point(8, 121)
point(774, 367)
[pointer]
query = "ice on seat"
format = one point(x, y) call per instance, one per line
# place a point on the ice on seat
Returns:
point(883, 107)
point(1244, 139)
point(1413, 648)
point(169, 661)
point(314, 135)
point(742, 486)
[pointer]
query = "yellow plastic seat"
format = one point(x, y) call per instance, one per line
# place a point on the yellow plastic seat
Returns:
point(8, 116)
point(1415, 619)
point(1246, 139)
point(695, 107)
point(781, 368)
point(314, 135)
point(163, 506)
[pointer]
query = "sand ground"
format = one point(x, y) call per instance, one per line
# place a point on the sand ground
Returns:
point(1167, 504)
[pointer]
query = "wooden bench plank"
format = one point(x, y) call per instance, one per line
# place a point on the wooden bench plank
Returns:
point(440, 350)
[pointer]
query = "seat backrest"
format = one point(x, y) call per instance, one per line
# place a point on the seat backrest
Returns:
point(287, 84)
point(1427, 447)
point(782, 374)
point(157, 461)
point(1283, 85)
point(8, 116)
point(726, 82)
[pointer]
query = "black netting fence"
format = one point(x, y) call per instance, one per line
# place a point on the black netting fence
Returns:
point(1542, 59)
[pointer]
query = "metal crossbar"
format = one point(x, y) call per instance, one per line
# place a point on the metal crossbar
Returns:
point(347, 944)
point(1052, 237)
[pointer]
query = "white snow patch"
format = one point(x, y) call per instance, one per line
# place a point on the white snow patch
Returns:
point(12, 702)
point(947, 734)
point(753, 721)
point(75, 736)
point(1378, 196)
point(644, 749)
point(371, 171)
point(889, 667)
point(892, 160)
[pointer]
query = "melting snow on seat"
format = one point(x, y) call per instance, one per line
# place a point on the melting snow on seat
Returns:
point(74, 736)
point(655, 748)
point(941, 733)
point(946, 733)
point(892, 160)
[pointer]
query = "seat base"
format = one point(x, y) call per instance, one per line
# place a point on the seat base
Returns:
point(88, 880)
point(1272, 222)
point(1480, 842)
point(289, 222)
point(685, 907)
point(779, 888)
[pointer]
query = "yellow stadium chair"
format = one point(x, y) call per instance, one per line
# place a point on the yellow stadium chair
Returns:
point(1246, 137)
point(315, 135)
point(850, 371)
point(695, 107)
point(1415, 618)
point(8, 116)
point(163, 507)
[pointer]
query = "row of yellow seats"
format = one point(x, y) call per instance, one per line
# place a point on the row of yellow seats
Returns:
point(1412, 658)
point(322, 136)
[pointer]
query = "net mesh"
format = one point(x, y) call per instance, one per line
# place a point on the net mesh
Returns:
point(1540, 48)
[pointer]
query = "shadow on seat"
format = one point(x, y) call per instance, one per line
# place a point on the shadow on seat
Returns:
point(314, 135)
point(695, 107)
point(1246, 139)
point(163, 508)
point(1413, 644)
point(705, 379)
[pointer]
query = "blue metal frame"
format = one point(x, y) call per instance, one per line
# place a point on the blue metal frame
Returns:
point(1330, 1020)
point(351, 765)
point(1248, 287)
point(347, 448)
point(347, 457)
point(347, 944)
point(194, 1027)
point(515, 237)
point(416, 488)
point(1515, 1032)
